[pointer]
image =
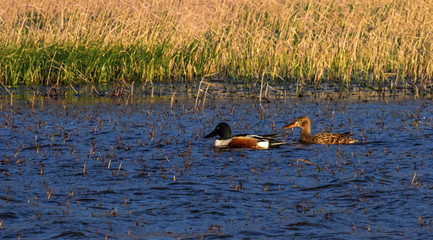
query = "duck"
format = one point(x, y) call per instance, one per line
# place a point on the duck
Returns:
point(226, 140)
point(304, 123)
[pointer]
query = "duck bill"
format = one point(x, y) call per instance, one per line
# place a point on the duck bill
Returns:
point(212, 134)
point(291, 125)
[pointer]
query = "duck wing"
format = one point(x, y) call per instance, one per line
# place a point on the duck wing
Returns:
point(333, 138)
point(257, 137)
point(264, 138)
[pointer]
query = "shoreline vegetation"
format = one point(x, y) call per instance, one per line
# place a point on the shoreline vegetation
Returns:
point(375, 44)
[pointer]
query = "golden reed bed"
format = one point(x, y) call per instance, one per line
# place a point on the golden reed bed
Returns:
point(386, 42)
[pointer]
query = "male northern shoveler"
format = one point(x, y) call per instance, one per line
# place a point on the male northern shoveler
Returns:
point(226, 140)
point(322, 138)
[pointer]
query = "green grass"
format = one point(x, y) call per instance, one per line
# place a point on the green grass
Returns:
point(373, 43)
point(66, 63)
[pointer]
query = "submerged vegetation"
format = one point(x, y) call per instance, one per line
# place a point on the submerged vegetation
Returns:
point(373, 43)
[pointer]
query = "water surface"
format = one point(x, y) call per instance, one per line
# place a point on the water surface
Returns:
point(104, 168)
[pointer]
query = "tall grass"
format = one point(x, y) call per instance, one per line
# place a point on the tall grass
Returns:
point(372, 42)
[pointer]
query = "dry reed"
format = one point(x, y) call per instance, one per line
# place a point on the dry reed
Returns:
point(374, 43)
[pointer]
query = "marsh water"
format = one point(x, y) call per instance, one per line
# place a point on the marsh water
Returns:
point(96, 167)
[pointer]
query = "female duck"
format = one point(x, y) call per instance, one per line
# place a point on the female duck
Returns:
point(226, 140)
point(322, 138)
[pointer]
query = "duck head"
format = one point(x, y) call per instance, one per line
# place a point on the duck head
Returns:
point(301, 122)
point(222, 130)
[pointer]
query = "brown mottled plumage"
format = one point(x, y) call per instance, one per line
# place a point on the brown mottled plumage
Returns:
point(322, 138)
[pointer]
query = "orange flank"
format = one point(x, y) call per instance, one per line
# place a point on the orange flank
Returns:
point(244, 142)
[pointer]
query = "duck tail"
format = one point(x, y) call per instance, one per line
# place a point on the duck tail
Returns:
point(275, 143)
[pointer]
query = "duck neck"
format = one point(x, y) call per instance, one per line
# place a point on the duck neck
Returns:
point(306, 134)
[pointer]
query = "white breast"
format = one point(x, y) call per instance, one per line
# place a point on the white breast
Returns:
point(222, 143)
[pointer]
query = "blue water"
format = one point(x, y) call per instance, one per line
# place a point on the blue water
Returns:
point(141, 169)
